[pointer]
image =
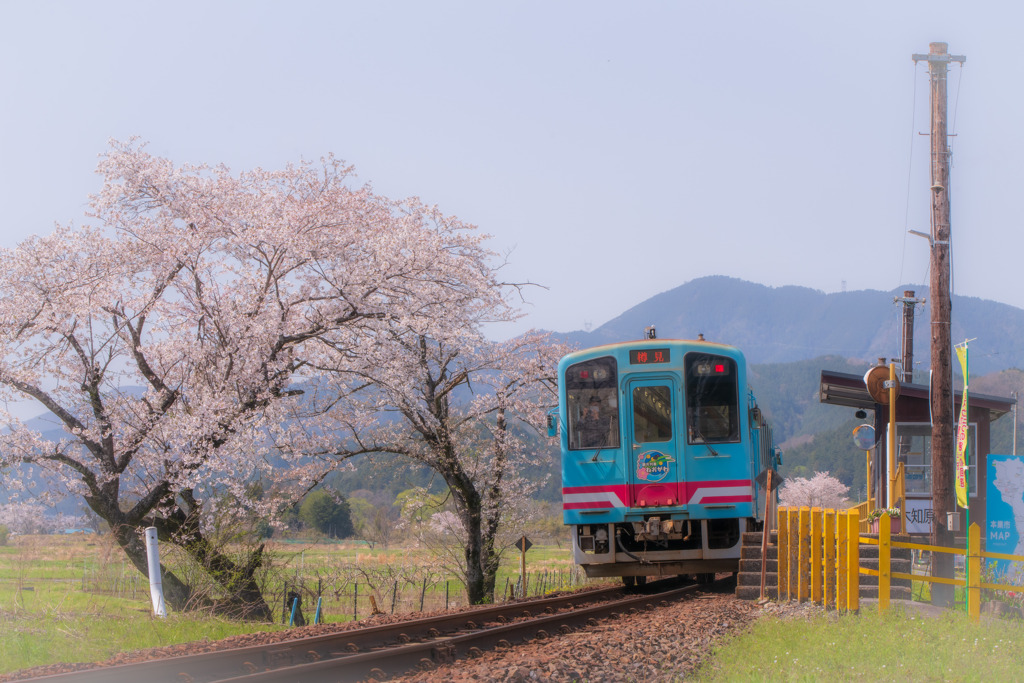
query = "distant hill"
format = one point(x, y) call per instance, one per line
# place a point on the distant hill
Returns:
point(787, 324)
point(789, 334)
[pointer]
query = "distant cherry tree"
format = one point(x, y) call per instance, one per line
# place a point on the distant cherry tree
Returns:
point(210, 332)
point(33, 518)
point(466, 406)
point(822, 490)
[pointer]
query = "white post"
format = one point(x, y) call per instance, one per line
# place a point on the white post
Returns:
point(156, 589)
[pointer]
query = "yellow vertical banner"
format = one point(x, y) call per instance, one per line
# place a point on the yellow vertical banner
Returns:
point(961, 434)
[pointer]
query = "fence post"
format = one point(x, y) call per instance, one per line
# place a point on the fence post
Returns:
point(817, 566)
point(842, 561)
point(853, 560)
point(974, 573)
point(830, 559)
point(884, 568)
point(355, 602)
point(803, 590)
point(284, 603)
point(794, 554)
point(782, 576)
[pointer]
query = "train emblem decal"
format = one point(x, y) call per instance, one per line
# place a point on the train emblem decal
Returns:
point(652, 465)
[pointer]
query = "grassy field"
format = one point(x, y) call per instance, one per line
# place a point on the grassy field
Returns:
point(50, 612)
point(898, 646)
point(72, 598)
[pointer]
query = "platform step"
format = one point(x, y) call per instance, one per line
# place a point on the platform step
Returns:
point(754, 592)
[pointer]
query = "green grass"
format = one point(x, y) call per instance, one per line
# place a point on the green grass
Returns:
point(898, 646)
point(35, 639)
point(75, 599)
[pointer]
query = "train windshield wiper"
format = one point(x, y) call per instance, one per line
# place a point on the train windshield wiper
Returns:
point(696, 432)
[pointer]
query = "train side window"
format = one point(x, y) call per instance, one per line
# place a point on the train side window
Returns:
point(652, 414)
point(712, 399)
point(591, 390)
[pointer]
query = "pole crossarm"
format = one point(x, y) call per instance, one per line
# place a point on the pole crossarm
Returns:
point(939, 58)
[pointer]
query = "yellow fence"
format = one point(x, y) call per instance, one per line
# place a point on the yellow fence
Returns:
point(819, 560)
point(819, 556)
point(973, 553)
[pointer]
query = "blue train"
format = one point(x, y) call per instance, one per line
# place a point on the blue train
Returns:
point(662, 447)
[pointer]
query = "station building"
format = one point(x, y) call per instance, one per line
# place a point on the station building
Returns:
point(913, 446)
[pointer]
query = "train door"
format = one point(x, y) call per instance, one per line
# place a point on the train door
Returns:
point(655, 465)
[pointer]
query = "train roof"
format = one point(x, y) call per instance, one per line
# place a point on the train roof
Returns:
point(654, 343)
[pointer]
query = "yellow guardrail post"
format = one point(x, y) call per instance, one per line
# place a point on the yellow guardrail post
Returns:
point(804, 560)
point(901, 489)
point(852, 524)
point(842, 562)
point(884, 568)
point(817, 564)
point(782, 575)
point(830, 558)
point(974, 573)
point(862, 510)
point(794, 553)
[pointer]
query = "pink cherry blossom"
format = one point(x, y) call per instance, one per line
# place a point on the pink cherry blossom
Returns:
point(216, 329)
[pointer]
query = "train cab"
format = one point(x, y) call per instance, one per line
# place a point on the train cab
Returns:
point(661, 445)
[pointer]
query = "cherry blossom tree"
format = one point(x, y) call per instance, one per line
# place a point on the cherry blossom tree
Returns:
point(822, 490)
point(182, 342)
point(468, 404)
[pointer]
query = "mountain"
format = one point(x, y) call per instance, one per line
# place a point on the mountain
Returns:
point(789, 334)
point(787, 324)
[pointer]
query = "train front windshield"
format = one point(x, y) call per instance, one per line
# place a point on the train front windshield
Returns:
point(712, 399)
point(591, 391)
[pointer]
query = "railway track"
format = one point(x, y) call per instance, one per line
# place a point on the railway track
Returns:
point(388, 650)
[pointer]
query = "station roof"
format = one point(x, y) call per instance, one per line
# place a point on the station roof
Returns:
point(844, 389)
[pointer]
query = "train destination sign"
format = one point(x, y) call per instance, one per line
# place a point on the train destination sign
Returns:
point(647, 356)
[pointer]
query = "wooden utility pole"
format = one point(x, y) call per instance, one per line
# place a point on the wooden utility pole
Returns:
point(941, 313)
point(909, 301)
point(903, 448)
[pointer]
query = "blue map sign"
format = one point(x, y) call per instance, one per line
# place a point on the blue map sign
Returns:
point(1004, 514)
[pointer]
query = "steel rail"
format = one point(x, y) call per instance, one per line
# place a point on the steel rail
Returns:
point(403, 659)
point(224, 664)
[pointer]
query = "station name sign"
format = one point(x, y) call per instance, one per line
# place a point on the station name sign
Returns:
point(647, 356)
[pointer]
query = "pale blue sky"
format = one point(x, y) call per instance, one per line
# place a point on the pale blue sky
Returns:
point(615, 150)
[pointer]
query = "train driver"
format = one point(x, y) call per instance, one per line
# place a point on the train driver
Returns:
point(594, 426)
